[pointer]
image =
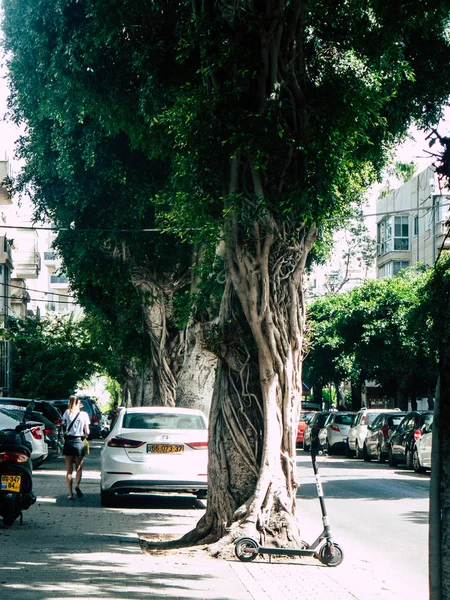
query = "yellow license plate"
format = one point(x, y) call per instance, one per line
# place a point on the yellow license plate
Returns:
point(10, 483)
point(165, 448)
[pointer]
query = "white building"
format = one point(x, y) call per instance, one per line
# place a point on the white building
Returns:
point(411, 224)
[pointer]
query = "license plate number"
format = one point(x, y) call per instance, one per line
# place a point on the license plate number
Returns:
point(10, 483)
point(165, 448)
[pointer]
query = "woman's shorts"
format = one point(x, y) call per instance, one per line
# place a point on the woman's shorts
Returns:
point(74, 447)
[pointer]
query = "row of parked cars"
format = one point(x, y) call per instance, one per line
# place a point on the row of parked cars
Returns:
point(372, 434)
point(46, 434)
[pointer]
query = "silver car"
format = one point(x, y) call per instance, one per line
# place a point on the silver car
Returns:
point(11, 416)
point(333, 435)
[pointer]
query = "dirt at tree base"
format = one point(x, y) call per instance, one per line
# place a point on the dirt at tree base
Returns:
point(165, 545)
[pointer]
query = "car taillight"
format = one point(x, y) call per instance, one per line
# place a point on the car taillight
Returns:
point(36, 433)
point(363, 420)
point(385, 432)
point(16, 457)
point(95, 420)
point(49, 432)
point(118, 442)
point(58, 422)
point(334, 427)
point(197, 445)
point(417, 435)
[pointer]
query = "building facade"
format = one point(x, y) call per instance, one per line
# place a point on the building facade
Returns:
point(412, 224)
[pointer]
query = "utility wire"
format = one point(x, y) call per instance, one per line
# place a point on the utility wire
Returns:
point(153, 230)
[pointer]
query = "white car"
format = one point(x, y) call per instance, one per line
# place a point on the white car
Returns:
point(333, 435)
point(11, 416)
point(358, 431)
point(421, 458)
point(155, 449)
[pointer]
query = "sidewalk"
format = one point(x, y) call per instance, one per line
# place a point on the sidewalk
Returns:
point(69, 550)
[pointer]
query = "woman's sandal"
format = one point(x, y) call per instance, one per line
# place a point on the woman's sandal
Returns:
point(79, 492)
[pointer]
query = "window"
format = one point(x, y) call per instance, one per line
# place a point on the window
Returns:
point(392, 268)
point(398, 265)
point(393, 235)
point(416, 225)
point(401, 233)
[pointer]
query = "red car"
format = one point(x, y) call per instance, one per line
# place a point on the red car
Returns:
point(305, 417)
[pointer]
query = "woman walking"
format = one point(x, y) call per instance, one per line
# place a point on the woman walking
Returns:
point(76, 424)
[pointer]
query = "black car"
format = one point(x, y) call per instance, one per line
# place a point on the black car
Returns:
point(402, 444)
point(49, 411)
point(89, 406)
point(376, 444)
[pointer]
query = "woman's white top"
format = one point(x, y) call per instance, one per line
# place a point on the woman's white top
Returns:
point(77, 428)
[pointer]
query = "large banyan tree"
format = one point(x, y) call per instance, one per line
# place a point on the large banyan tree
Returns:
point(274, 116)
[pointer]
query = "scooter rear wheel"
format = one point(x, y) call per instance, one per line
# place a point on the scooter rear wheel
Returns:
point(246, 549)
point(330, 558)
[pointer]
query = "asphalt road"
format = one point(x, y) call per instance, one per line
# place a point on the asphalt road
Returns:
point(379, 515)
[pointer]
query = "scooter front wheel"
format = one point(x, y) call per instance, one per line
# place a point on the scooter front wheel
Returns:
point(246, 549)
point(331, 555)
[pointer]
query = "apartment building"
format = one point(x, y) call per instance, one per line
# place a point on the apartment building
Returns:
point(412, 223)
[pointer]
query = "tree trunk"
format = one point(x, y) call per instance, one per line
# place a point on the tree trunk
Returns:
point(340, 396)
point(196, 381)
point(252, 485)
point(435, 534)
point(137, 388)
point(356, 390)
point(317, 394)
point(444, 446)
point(166, 346)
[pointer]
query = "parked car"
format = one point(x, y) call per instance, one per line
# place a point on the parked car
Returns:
point(358, 431)
point(333, 435)
point(305, 417)
point(89, 406)
point(421, 458)
point(314, 426)
point(11, 416)
point(49, 411)
point(376, 444)
point(403, 441)
point(155, 449)
point(46, 412)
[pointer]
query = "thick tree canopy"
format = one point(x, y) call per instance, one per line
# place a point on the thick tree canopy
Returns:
point(380, 332)
point(52, 357)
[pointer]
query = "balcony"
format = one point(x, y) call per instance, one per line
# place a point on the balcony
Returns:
point(27, 264)
point(5, 252)
point(4, 173)
point(59, 281)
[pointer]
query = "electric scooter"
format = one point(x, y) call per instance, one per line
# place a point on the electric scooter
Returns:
point(324, 548)
point(16, 483)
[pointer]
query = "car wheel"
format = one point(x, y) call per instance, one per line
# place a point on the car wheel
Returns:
point(365, 454)
point(391, 459)
point(348, 451)
point(381, 457)
point(106, 498)
point(202, 494)
point(408, 459)
point(416, 462)
point(359, 452)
